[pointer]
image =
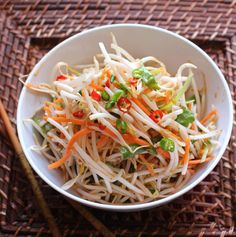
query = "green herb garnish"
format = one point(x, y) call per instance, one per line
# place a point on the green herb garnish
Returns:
point(146, 76)
point(167, 144)
point(185, 118)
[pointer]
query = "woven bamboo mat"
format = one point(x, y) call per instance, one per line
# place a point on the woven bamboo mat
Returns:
point(28, 29)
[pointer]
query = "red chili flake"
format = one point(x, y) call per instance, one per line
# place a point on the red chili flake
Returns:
point(156, 115)
point(124, 104)
point(79, 114)
point(107, 83)
point(101, 126)
point(61, 78)
point(95, 95)
point(132, 81)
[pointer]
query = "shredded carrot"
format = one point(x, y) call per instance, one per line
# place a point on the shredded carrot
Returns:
point(102, 142)
point(164, 98)
point(163, 153)
point(209, 116)
point(61, 115)
point(196, 162)
point(193, 126)
point(173, 134)
point(190, 106)
point(54, 105)
point(109, 132)
point(142, 106)
point(69, 147)
point(58, 100)
point(160, 99)
point(107, 72)
point(147, 90)
point(96, 87)
point(46, 109)
point(148, 165)
point(168, 96)
point(67, 120)
point(186, 153)
point(130, 139)
point(31, 86)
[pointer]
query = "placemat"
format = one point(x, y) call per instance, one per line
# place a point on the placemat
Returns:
point(28, 29)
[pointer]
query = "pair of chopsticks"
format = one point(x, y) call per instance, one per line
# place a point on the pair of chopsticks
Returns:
point(36, 189)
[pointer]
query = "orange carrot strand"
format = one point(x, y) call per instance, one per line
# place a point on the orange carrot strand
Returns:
point(130, 139)
point(187, 148)
point(165, 154)
point(196, 162)
point(67, 120)
point(101, 143)
point(209, 116)
point(58, 100)
point(148, 165)
point(139, 104)
point(96, 87)
point(69, 147)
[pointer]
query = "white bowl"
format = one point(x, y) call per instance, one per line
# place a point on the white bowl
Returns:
point(139, 40)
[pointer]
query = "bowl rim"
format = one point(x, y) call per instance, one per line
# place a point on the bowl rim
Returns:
point(139, 206)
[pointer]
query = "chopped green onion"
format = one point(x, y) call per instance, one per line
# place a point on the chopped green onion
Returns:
point(121, 125)
point(152, 84)
point(110, 104)
point(46, 127)
point(147, 77)
point(105, 96)
point(117, 95)
point(124, 88)
point(185, 118)
point(112, 79)
point(167, 144)
point(156, 71)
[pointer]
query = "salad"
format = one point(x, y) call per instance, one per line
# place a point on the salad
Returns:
point(123, 130)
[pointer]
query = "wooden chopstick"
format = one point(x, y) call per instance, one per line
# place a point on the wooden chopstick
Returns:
point(38, 193)
point(29, 173)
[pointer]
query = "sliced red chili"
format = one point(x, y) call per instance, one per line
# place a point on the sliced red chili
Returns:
point(61, 77)
point(95, 95)
point(107, 83)
point(101, 126)
point(156, 115)
point(79, 114)
point(124, 104)
point(132, 81)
